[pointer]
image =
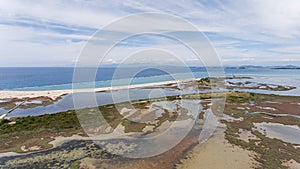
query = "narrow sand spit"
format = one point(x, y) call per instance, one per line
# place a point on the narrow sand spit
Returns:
point(58, 141)
point(54, 94)
point(218, 153)
point(8, 154)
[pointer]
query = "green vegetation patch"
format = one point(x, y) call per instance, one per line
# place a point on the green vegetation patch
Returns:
point(75, 165)
point(271, 151)
point(36, 131)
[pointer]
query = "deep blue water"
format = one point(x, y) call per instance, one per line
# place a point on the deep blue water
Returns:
point(61, 78)
point(44, 78)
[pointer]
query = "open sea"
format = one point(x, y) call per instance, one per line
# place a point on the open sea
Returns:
point(60, 78)
point(36, 79)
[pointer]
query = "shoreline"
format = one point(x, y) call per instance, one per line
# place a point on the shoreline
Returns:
point(6, 95)
point(55, 94)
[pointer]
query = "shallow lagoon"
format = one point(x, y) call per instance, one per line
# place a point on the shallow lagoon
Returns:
point(287, 133)
point(103, 98)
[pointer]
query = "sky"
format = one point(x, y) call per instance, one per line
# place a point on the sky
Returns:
point(243, 32)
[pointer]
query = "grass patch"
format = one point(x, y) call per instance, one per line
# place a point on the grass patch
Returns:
point(131, 126)
point(272, 152)
point(75, 165)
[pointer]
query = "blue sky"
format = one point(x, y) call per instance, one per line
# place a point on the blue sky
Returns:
point(52, 33)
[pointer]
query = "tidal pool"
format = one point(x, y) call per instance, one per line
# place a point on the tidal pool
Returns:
point(286, 133)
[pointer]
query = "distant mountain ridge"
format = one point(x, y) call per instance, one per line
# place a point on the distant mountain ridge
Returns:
point(202, 67)
point(265, 67)
point(286, 67)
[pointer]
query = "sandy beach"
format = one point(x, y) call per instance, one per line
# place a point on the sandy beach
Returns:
point(218, 153)
point(54, 94)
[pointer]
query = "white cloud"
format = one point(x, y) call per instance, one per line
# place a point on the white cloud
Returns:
point(260, 32)
point(81, 13)
point(21, 51)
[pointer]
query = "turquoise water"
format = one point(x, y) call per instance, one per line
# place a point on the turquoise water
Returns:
point(58, 78)
point(267, 76)
point(55, 78)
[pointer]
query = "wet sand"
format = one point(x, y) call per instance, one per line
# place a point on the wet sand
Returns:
point(218, 153)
